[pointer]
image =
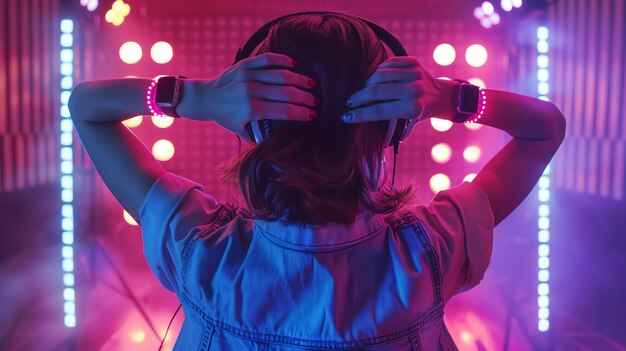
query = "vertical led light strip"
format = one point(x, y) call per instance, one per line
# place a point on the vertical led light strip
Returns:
point(543, 286)
point(67, 174)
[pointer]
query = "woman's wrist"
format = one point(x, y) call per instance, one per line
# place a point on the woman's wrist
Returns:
point(445, 106)
point(191, 105)
point(523, 116)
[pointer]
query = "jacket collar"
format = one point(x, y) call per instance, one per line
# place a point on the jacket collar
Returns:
point(329, 237)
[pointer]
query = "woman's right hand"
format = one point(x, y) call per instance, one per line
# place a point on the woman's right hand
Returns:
point(258, 87)
point(401, 88)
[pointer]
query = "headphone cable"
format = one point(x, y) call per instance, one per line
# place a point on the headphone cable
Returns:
point(396, 148)
point(168, 326)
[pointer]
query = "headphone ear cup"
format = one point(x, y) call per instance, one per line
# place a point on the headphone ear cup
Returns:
point(383, 126)
point(398, 131)
point(266, 128)
point(389, 131)
point(251, 132)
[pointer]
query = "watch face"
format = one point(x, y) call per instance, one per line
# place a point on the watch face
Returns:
point(165, 90)
point(469, 98)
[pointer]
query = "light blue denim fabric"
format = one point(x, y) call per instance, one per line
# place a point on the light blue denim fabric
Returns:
point(380, 284)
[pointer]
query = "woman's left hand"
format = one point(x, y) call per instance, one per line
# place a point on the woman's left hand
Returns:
point(401, 88)
point(258, 87)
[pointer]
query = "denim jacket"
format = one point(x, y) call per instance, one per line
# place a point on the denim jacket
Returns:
point(249, 284)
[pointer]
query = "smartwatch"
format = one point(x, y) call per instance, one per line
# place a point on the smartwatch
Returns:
point(467, 100)
point(169, 92)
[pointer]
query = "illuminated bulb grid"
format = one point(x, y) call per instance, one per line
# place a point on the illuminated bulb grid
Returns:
point(202, 46)
point(543, 223)
point(67, 175)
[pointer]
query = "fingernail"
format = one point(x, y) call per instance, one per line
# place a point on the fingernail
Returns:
point(295, 63)
point(349, 103)
point(315, 101)
point(312, 82)
point(312, 114)
point(347, 117)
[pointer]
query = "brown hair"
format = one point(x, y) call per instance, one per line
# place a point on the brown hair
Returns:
point(313, 173)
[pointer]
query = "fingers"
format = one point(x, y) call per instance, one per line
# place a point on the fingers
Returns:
point(281, 85)
point(256, 69)
point(274, 93)
point(400, 62)
point(266, 59)
point(394, 89)
point(282, 93)
point(382, 111)
point(393, 75)
point(277, 84)
point(385, 91)
point(391, 92)
point(262, 109)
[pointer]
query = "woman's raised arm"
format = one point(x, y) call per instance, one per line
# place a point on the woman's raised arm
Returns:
point(537, 127)
point(249, 89)
point(125, 165)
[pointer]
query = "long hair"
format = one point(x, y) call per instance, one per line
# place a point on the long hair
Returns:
point(320, 171)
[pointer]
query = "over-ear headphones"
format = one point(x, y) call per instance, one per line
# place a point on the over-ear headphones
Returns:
point(395, 130)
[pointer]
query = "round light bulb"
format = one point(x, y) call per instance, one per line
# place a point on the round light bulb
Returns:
point(444, 54)
point(130, 52)
point(161, 52)
point(441, 153)
point(439, 182)
point(163, 150)
point(476, 55)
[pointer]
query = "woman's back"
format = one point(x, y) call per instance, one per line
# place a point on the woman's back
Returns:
point(266, 285)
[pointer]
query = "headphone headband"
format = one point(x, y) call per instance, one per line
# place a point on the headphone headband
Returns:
point(397, 129)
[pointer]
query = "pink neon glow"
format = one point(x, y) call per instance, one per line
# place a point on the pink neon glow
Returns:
point(479, 115)
point(152, 106)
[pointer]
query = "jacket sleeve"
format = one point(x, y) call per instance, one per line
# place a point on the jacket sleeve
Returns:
point(173, 207)
point(459, 225)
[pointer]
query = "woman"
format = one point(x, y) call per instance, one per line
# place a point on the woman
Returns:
point(324, 254)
